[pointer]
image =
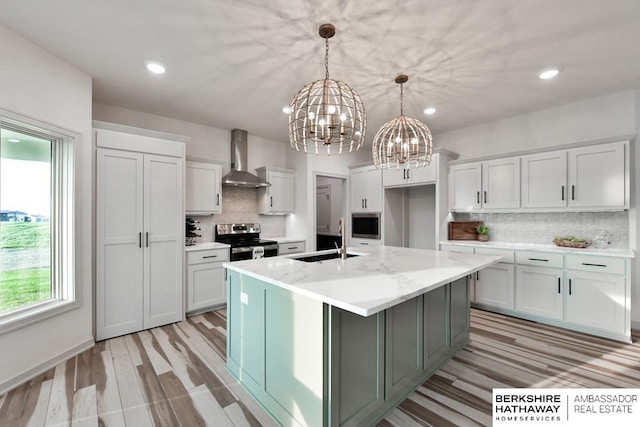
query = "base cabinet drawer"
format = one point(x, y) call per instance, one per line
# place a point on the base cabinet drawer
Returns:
point(291, 247)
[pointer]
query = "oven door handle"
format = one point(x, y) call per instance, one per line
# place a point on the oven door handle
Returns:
point(241, 249)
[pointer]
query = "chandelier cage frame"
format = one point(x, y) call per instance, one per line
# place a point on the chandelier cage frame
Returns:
point(327, 116)
point(402, 142)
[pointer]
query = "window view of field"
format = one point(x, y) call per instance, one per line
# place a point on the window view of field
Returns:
point(25, 194)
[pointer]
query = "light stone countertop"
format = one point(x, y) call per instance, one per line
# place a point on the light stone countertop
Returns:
point(620, 253)
point(285, 239)
point(380, 278)
point(206, 245)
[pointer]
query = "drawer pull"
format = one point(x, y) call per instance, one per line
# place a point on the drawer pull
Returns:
point(538, 259)
point(292, 247)
point(364, 244)
point(210, 256)
point(594, 265)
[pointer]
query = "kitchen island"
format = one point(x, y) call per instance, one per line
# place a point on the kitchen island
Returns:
point(342, 342)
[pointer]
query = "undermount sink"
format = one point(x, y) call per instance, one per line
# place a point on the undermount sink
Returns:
point(321, 257)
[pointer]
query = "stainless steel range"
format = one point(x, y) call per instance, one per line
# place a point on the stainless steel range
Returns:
point(245, 241)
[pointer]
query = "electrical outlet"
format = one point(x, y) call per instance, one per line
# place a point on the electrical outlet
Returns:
point(244, 298)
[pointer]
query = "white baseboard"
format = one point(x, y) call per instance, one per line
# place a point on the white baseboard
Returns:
point(44, 366)
point(635, 326)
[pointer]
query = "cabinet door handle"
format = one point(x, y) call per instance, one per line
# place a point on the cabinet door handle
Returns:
point(538, 259)
point(140, 239)
point(362, 203)
point(594, 265)
point(563, 192)
point(477, 197)
point(569, 286)
point(407, 174)
point(404, 174)
point(147, 238)
point(218, 199)
point(210, 256)
point(271, 201)
point(573, 192)
point(558, 285)
point(477, 275)
point(485, 196)
point(365, 203)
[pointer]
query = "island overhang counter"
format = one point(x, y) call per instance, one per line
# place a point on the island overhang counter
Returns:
point(342, 342)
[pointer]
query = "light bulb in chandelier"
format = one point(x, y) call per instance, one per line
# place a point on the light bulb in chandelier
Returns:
point(402, 142)
point(327, 116)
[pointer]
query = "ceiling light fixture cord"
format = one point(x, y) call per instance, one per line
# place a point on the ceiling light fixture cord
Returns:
point(326, 57)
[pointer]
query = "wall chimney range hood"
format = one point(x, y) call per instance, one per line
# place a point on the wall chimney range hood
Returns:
point(239, 177)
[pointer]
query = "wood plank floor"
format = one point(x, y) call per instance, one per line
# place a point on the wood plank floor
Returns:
point(175, 376)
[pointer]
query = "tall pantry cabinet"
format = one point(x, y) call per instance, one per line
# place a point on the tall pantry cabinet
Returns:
point(139, 232)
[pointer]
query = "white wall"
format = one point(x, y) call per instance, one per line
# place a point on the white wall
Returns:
point(206, 143)
point(595, 119)
point(37, 84)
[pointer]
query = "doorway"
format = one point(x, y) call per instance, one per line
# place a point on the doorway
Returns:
point(330, 207)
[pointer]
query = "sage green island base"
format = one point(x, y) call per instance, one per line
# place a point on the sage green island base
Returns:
point(311, 363)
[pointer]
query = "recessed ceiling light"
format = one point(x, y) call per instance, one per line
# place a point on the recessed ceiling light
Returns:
point(155, 67)
point(286, 109)
point(549, 74)
point(13, 140)
point(429, 110)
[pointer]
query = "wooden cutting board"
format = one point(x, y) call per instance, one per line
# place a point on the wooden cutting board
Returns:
point(463, 230)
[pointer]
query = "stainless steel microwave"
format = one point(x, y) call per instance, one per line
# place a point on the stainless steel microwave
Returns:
point(365, 225)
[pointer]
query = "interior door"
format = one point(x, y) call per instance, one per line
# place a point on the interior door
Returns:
point(163, 237)
point(119, 253)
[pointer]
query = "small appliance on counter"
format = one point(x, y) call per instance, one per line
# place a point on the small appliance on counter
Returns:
point(245, 241)
point(190, 231)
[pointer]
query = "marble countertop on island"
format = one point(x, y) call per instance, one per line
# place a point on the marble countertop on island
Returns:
point(612, 252)
point(379, 278)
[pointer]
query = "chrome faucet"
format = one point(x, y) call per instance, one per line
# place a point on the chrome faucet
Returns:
point(343, 249)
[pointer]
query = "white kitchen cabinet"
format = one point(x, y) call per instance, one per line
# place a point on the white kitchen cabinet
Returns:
point(465, 185)
point(356, 241)
point(278, 198)
point(495, 285)
point(501, 184)
point(206, 287)
point(366, 189)
point(139, 233)
point(292, 247)
point(406, 177)
point(539, 291)
point(597, 295)
point(203, 188)
point(599, 177)
point(544, 180)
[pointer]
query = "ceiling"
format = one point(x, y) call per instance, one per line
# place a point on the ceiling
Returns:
point(237, 63)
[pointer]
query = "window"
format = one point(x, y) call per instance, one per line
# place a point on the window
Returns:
point(36, 221)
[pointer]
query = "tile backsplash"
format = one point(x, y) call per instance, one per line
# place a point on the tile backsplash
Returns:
point(543, 227)
point(240, 205)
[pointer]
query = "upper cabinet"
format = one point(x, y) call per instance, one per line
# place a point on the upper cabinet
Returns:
point(544, 180)
point(491, 185)
point(278, 198)
point(406, 177)
point(366, 189)
point(599, 177)
point(592, 178)
point(203, 188)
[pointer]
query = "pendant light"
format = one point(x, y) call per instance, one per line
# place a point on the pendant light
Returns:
point(327, 116)
point(402, 142)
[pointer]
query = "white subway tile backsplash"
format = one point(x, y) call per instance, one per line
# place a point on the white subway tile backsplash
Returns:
point(240, 205)
point(543, 227)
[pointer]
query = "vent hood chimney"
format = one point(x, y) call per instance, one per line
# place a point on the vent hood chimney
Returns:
point(239, 177)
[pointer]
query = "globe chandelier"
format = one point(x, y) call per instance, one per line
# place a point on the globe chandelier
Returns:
point(327, 116)
point(403, 142)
